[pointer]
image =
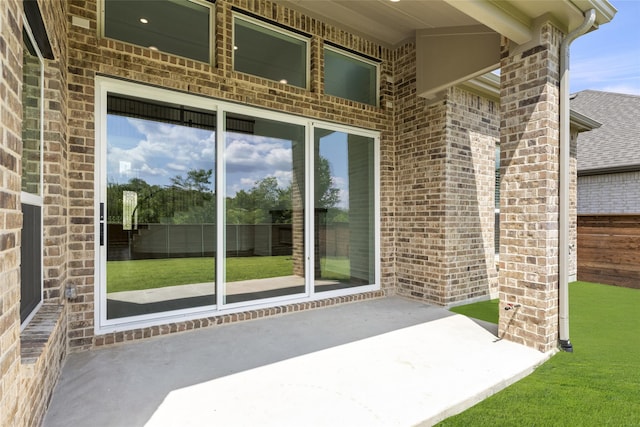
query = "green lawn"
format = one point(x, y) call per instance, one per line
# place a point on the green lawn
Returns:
point(597, 385)
point(484, 310)
point(158, 273)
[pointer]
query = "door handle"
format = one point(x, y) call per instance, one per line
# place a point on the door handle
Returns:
point(101, 224)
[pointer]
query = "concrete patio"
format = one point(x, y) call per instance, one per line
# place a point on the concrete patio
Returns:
point(383, 362)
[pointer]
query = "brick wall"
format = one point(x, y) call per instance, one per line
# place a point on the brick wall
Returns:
point(472, 134)
point(10, 213)
point(55, 162)
point(43, 341)
point(90, 55)
point(420, 154)
point(609, 193)
point(445, 154)
point(529, 148)
point(31, 359)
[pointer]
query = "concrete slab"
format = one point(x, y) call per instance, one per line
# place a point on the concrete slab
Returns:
point(385, 362)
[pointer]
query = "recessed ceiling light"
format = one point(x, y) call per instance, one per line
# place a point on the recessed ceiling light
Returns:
point(235, 48)
point(153, 48)
point(144, 20)
point(284, 81)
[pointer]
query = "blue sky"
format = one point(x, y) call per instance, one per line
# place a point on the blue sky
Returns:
point(608, 59)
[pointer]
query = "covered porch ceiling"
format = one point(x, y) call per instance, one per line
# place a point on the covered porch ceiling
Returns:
point(393, 22)
point(461, 36)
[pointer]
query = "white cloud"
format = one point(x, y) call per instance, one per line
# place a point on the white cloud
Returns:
point(619, 71)
point(630, 89)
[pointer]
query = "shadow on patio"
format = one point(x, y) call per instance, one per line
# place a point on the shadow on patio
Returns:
point(383, 362)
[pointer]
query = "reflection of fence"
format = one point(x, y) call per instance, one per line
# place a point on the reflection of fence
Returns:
point(196, 240)
point(336, 240)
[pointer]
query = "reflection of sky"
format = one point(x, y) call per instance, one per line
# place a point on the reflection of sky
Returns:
point(251, 158)
point(333, 147)
point(156, 152)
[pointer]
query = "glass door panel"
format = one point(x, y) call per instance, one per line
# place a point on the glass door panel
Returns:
point(264, 209)
point(344, 204)
point(160, 207)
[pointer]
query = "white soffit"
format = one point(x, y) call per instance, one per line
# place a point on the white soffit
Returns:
point(389, 23)
point(393, 22)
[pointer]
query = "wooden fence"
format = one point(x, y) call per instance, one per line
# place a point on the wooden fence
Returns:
point(609, 249)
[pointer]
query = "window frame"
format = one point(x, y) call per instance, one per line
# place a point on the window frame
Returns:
point(357, 57)
point(287, 32)
point(212, 31)
point(496, 192)
point(30, 198)
point(105, 86)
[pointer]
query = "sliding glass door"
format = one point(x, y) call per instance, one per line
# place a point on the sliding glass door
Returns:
point(264, 208)
point(160, 222)
point(207, 207)
point(344, 210)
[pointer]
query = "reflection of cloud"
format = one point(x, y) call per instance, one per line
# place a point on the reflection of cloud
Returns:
point(251, 158)
point(258, 154)
point(343, 192)
point(177, 167)
point(283, 177)
point(156, 151)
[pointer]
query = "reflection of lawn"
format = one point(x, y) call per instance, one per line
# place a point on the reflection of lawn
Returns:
point(158, 273)
point(335, 268)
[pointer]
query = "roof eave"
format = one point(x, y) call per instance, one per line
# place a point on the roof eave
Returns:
point(515, 19)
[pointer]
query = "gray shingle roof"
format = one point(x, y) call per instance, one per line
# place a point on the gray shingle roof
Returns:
point(616, 144)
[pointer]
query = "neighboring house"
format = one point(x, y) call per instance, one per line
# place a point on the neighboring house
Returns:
point(609, 189)
point(148, 149)
point(609, 157)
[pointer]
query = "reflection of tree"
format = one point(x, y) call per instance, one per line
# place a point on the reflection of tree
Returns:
point(265, 202)
point(196, 179)
point(327, 196)
point(188, 201)
point(191, 200)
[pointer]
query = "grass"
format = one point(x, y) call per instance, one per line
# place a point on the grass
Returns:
point(158, 273)
point(597, 385)
point(484, 310)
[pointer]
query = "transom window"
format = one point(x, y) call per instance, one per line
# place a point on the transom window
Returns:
point(179, 27)
point(350, 76)
point(207, 207)
point(268, 51)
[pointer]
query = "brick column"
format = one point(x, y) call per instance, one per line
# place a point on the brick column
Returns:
point(529, 146)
